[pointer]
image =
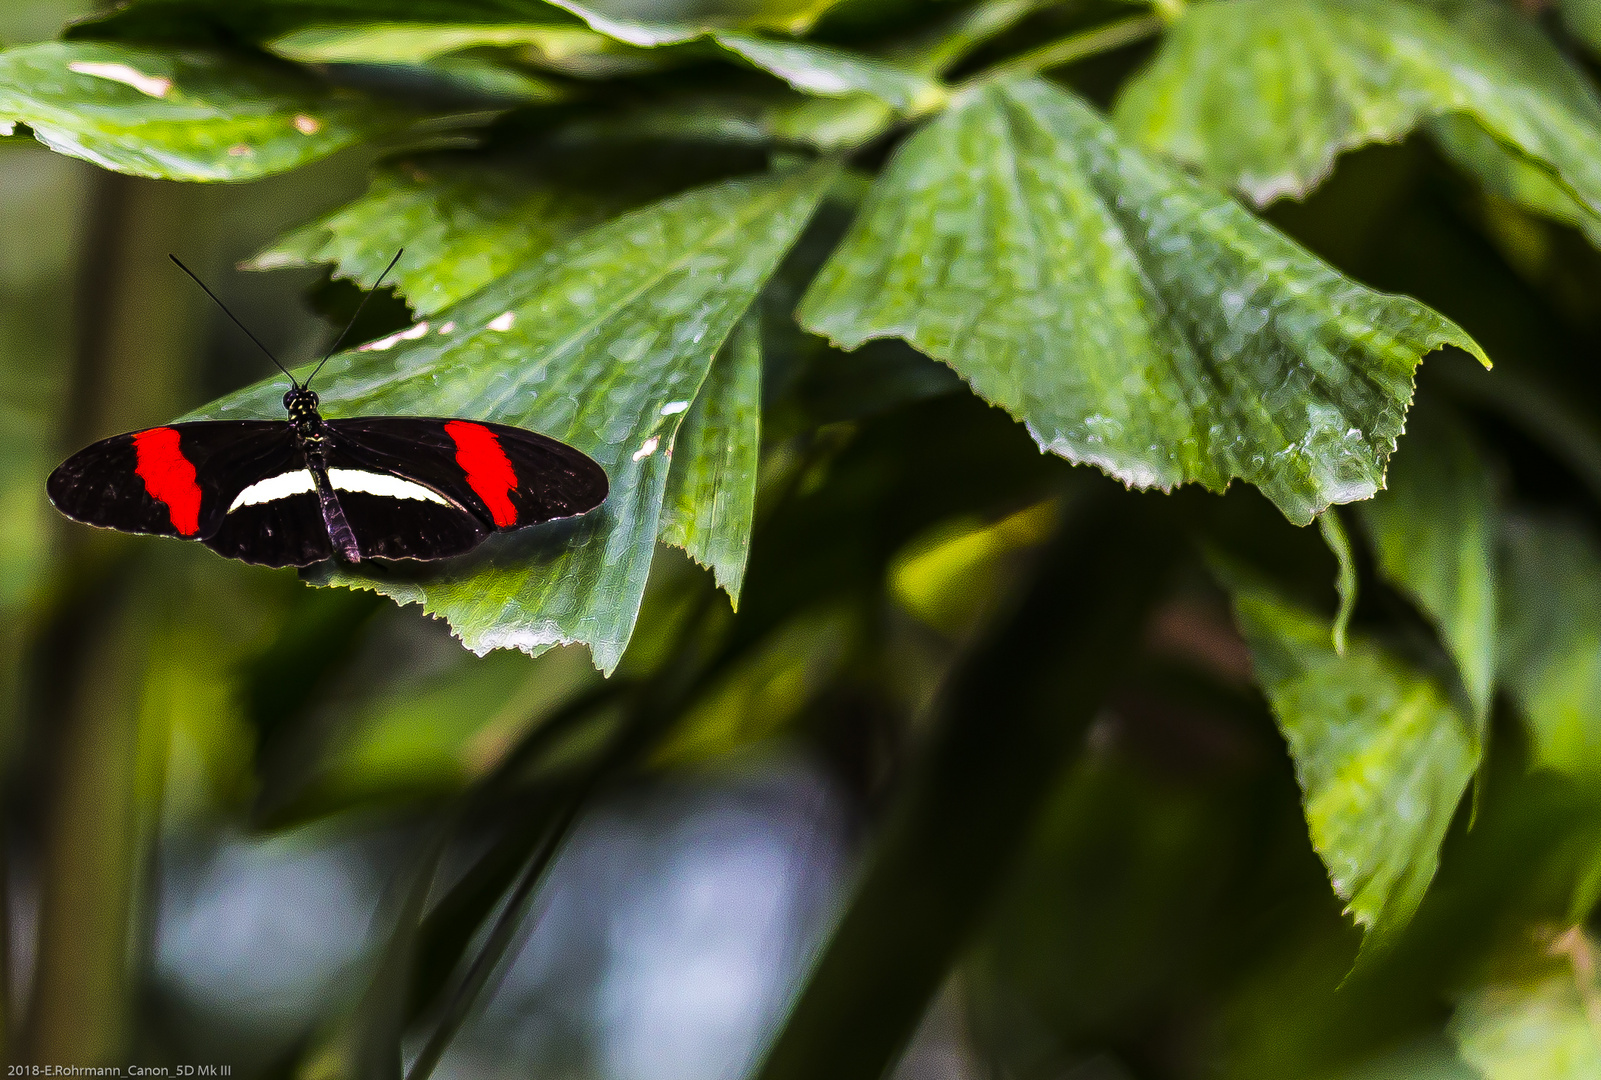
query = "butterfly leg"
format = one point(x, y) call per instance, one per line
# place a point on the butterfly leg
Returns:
point(340, 534)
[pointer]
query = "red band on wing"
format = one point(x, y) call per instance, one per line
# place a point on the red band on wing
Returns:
point(488, 469)
point(169, 477)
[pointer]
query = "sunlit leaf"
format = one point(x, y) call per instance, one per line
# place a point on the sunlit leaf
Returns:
point(1381, 755)
point(407, 42)
point(1551, 643)
point(1261, 95)
point(1537, 1022)
point(178, 116)
point(1345, 578)
point(1131, 317)
point(830, 72)
point(710, 500)
point(462, 225)
point(593, 344)
point(628, 25)
point(1434, 532)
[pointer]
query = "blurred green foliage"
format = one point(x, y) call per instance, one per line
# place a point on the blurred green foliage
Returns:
point(953, 684)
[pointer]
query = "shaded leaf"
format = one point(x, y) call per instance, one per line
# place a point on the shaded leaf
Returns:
point(1433, 531)
point(1551, 643)
point(831, 72)
point(462, 225)
point(978, 792)
point(1504, 173)
point(178, 116)
point(194, 21)
point(1132, 318)
point(1537, 1022)
point(1381, 755)
point(1261, 95)
point(593, 344)
point(710, 501)
point(1583, 19)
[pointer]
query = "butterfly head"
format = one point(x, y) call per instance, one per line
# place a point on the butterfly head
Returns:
point(301, 402)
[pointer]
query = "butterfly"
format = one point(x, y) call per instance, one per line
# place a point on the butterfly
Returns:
point(302, 490)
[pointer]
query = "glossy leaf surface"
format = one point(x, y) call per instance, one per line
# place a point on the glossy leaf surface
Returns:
point(1551, 646)
point(1261, 95)
point(1132, 318)
point(462, 226)
point(1434, 532)
point(178, 116)
point(1381, 755)
point(603, 344)
point(710, 501)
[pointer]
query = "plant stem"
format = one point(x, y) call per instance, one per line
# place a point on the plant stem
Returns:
point(1066, 50)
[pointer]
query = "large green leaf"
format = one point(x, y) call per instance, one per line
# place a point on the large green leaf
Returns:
point(1583, 18)
point(462, 224)
point(1536, 1021)
point(178, 116)
point(1131, 317)
point(1262, 95)
point(1551, 646)
point(1381, 755)
point(604, 343)
point(259, 20)
point(831, 72)
point(711, 489)
point(1434, 532)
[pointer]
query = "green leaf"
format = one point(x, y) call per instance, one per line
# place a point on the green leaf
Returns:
point(462, 224)
point(1433, 531)
point(1583, 19)
point(1261, 95)
point(179, 116)
point(1381, 755)
point(1537, 1022)
point(1345, 580)
point(603, 343)
point(1551, 646)
point(975, 797)
point(206, 21)
point(1505, 173)
point(830, 72)
point(710, 502)
point(1132, 318)
point(790, 16)
point(408, 42)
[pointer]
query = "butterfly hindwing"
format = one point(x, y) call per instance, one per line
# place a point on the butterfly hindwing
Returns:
point(177, 480)
point(506, 476)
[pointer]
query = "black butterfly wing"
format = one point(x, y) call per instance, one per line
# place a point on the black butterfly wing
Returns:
point(506, 477)
point(177, 480)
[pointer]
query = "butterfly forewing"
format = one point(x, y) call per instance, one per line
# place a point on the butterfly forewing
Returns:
point(401, 487)
point(177, 480)
point(506, 476)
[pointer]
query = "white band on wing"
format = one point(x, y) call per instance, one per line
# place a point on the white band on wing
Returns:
point(300, 482)
point(274, 488)
point(373, 483)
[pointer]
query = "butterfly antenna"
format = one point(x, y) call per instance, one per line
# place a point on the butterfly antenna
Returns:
point(193, 276)
point(340, 340)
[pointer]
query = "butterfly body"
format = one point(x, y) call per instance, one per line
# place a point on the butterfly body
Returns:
point(298, 491)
